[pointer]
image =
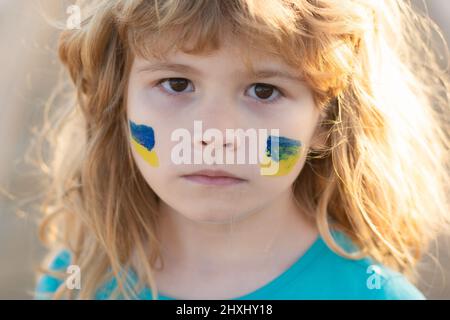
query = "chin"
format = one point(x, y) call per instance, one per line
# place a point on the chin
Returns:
point(213, 214)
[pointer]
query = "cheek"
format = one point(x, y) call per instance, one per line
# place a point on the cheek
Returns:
point(149, 132)
point(284, 152)
point(267, 188)
point(143, 142)
point(281, 156)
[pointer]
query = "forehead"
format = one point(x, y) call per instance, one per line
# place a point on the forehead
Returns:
point(230, 54)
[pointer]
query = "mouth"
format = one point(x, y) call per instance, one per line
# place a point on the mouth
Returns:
point(213, 178)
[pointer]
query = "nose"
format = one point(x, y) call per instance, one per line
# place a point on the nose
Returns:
point(226, 142)
point(215, 138)
point(212, 120)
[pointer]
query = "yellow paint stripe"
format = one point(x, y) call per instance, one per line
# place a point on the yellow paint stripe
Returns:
point(284, 166)
point(149, 156)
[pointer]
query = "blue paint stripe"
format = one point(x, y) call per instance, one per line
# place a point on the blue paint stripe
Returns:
point(144, 135)
point(286, 147)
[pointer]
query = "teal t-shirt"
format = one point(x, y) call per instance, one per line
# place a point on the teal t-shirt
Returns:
point(318, 274)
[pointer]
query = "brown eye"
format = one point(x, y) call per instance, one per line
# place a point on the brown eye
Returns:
point(175, 85)
point(178, 84)
point(263, 91)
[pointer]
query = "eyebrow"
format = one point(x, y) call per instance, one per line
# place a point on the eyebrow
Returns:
point(168, 66)
point(269, 73)
point(177, 67)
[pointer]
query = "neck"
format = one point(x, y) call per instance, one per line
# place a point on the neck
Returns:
point(278, 231)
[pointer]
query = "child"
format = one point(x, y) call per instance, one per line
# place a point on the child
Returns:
point(347, 194)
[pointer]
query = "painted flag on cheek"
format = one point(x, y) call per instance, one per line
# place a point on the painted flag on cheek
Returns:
point(143, 140)
point(284, 152)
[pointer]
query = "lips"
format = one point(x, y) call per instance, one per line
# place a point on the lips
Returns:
point(213, 177)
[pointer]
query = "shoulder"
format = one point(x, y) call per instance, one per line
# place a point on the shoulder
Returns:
point(386, 284)
point(365, 279)
point(397, 287)
point(47, 284)
point(59, 262)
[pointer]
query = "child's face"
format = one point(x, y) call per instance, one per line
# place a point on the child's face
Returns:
point(217, 90)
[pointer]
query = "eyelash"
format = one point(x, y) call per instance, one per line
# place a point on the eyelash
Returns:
point(280, 92)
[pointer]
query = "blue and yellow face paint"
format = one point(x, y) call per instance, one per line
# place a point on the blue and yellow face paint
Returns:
point(281, 156)
point(143, 140)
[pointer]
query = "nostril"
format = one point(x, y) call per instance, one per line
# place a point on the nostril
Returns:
point(228, 145)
